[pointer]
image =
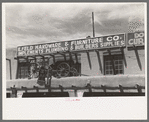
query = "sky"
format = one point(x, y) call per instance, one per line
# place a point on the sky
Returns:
point(37, 23)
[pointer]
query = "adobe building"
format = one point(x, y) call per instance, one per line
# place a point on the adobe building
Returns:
point(108, 60)
point(125, 62)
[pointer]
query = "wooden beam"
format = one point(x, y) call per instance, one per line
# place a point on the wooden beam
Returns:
point(124, 59)
point(22, 58)
point(112, 61)
point(53, 58)
point(99, 61)
point(40, 56)
point(31, 57)
point(89, 61)
point(137, 57)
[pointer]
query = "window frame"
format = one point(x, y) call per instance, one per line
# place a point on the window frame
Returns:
point(112, 57)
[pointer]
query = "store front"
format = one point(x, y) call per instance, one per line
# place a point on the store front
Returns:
point(118, 54)
point(85, 65)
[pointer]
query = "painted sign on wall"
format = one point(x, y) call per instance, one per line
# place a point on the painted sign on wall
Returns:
point(74, 45)
point(136, 38)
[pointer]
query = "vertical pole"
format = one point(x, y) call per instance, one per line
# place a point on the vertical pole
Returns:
point(89, 61)
point(17, 73)
point(28, 66)
point(137, 56)
point(93, 24)
point(99, 61)
point(124, 59)
point(70, 59)
point(53, 59)
point(48, 77)
point(20, 71)
point(10, 69)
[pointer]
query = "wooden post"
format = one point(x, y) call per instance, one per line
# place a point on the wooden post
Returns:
point(137, 56)
point(37, 90)
point(14, 91)
point(99, 61)
point(61, 88)
point(124, 59)
point(121, 89)
point(104, 88)
point(24, 89)
point(89, 61)
point(139, 88)
point(53, 58)
point(89, 87)
point(75, 90)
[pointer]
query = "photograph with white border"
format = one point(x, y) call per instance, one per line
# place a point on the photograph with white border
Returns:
point(74, 61)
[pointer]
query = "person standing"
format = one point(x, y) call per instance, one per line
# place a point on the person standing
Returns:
point(42, 75)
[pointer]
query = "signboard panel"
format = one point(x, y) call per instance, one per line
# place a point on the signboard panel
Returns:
point(136, 39)
point(74, 45)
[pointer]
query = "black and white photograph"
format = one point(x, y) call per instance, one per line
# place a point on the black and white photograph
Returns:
point(74, 53)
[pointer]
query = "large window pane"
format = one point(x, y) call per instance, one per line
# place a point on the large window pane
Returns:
point(118, 64)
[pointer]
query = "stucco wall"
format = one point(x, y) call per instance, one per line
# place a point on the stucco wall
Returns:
point(125, 80)
point(132, 64)
point(112, 81)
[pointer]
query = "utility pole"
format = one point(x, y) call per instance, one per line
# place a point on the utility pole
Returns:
point(93, 24)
